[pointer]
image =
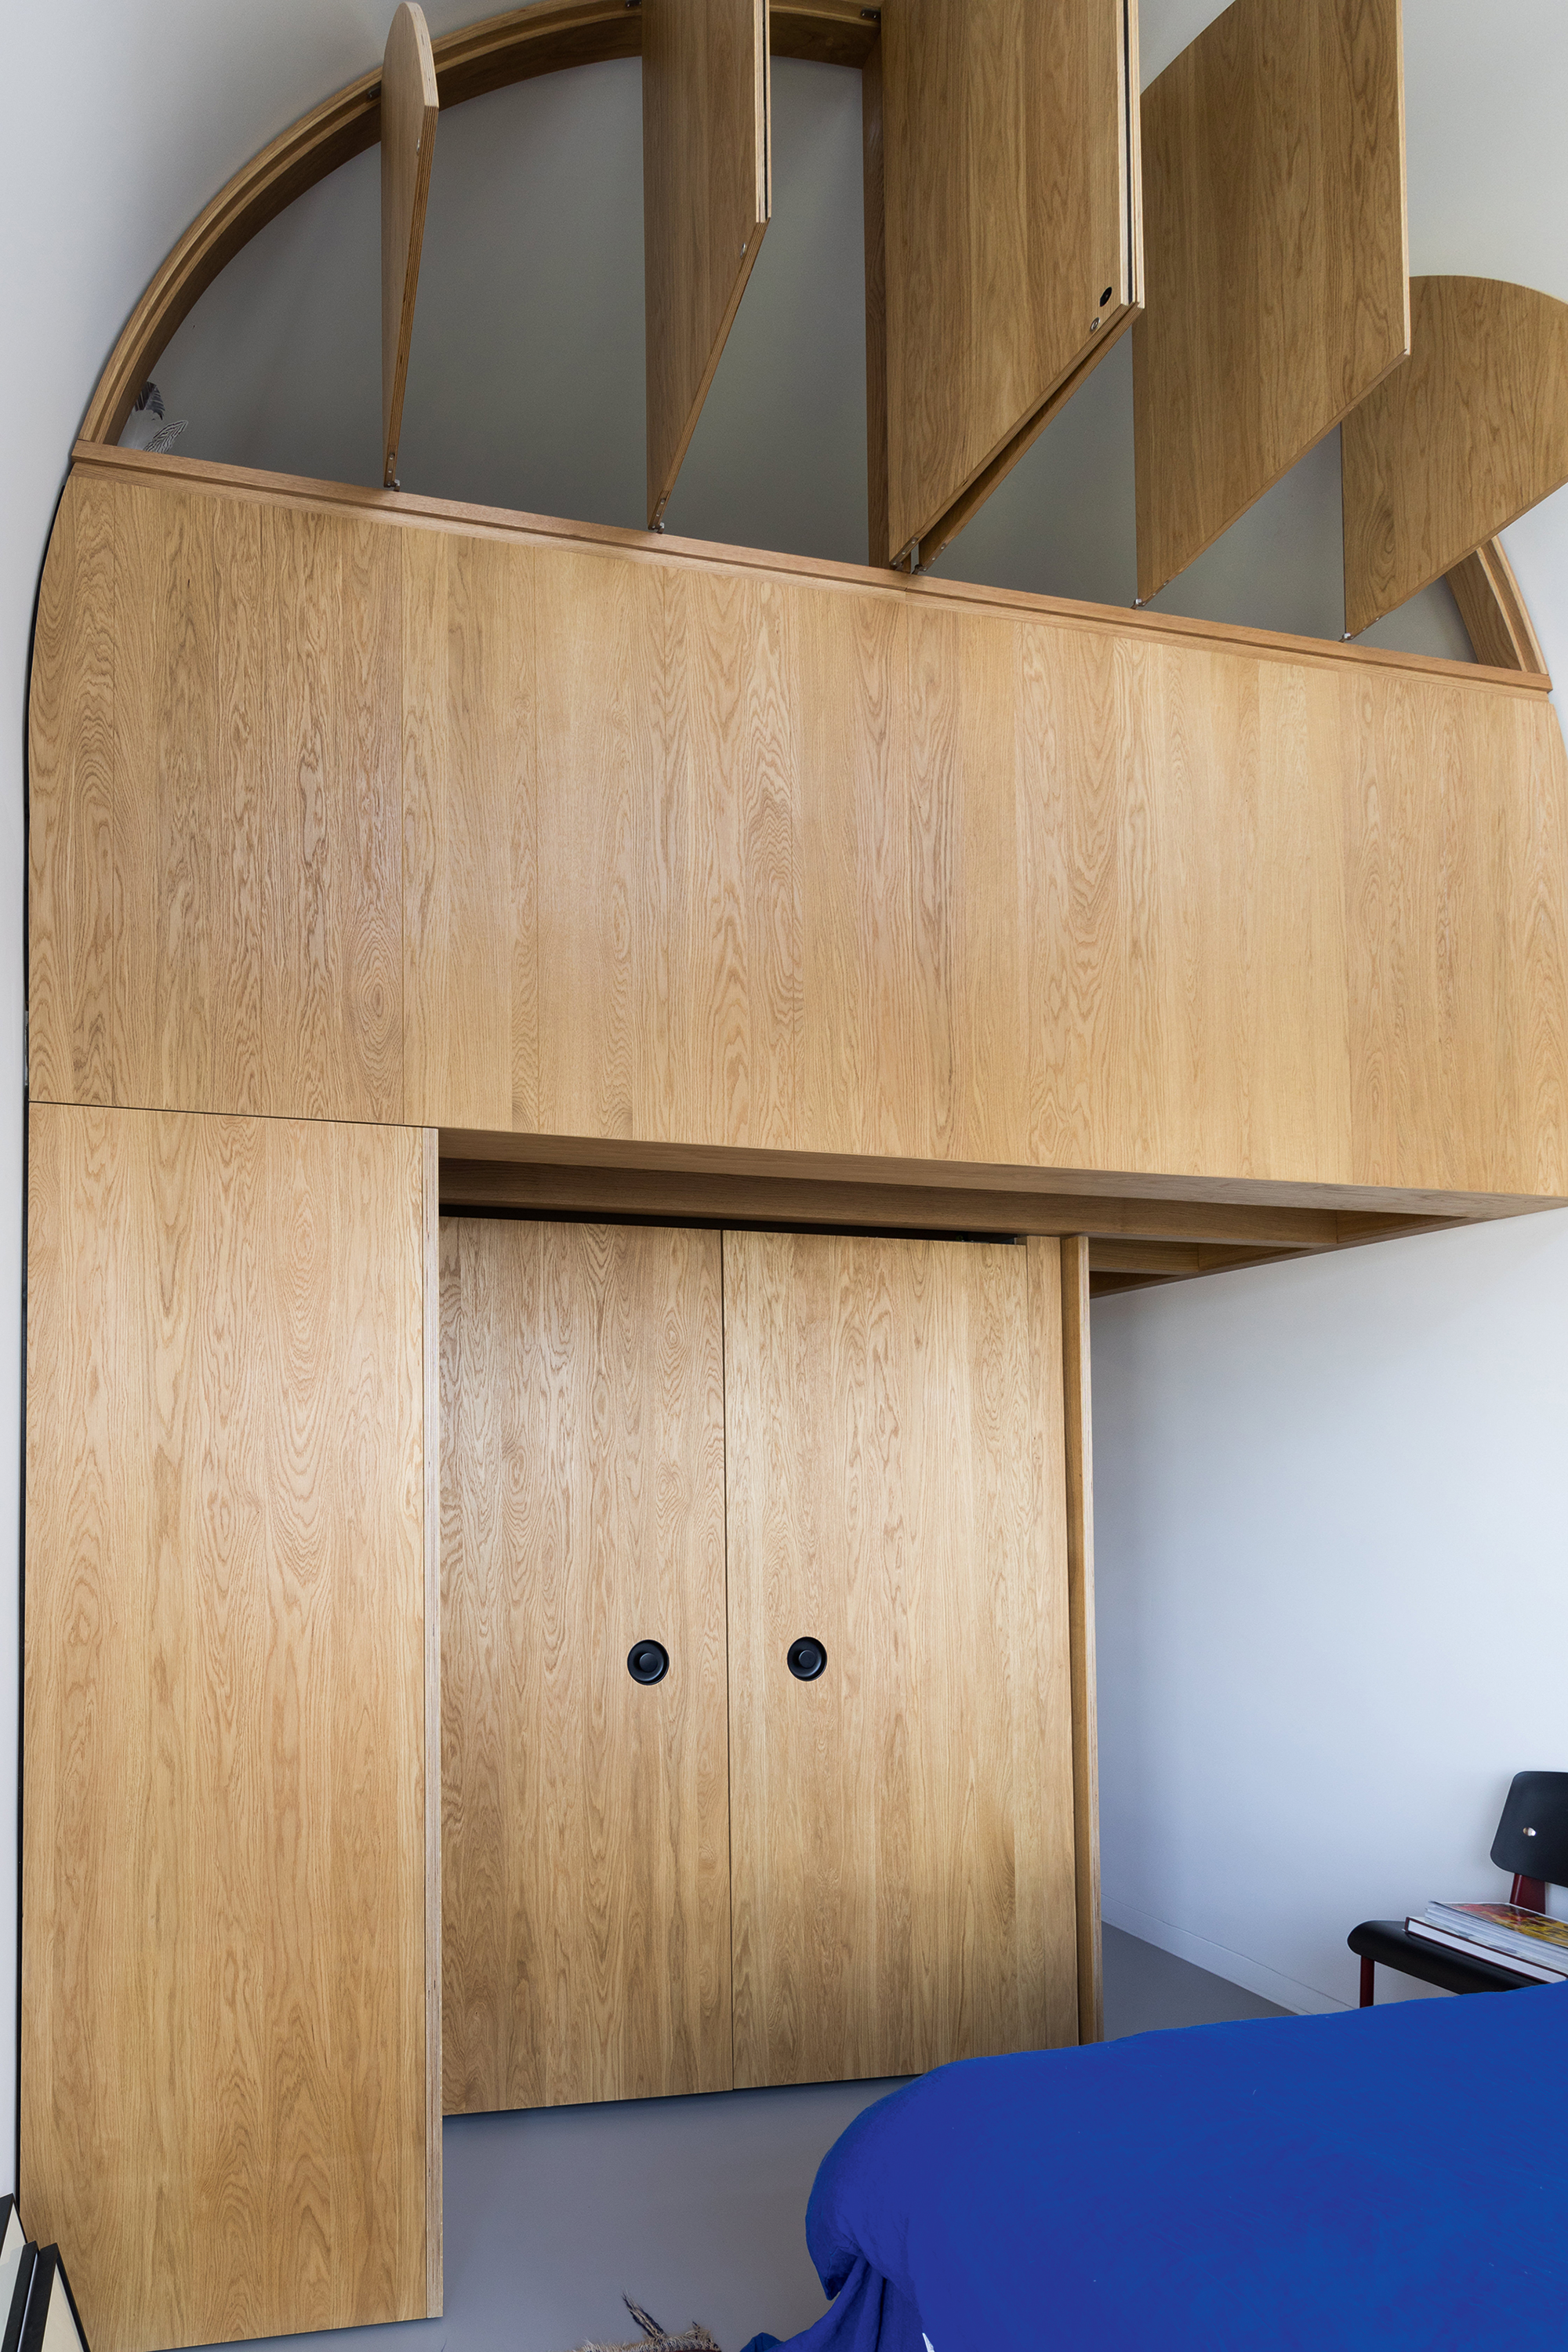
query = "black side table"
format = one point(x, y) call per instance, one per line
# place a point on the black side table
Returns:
point(1388, 1941)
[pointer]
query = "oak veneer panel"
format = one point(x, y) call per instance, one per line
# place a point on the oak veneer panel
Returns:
point(706, 200)
point(1456, 445)
point(471, 1039)
point(1006, 185)
point(916, 944)
point(1275, 258)
point(71, 792)
point(1186, 880)
point(215, 809)
point(668, 774)
point(901, 1828)
point(1079, 1449)
point(224, 2106)
point(585, 1817)
point(409, 107)
point(1452, 938)
point(708, 850)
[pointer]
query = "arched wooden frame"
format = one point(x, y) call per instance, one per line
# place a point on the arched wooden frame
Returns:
point(543, 39)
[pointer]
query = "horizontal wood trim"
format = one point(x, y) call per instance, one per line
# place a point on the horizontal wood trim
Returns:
point(518, 45)
point(1277, 1200)
point(409, 508)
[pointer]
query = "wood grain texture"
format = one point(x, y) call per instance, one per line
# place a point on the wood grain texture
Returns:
point(1078, 1450)
point(790, 859)
point(1006, 195)
point(902, 1827)
point(411, 509)
point(216, 862)
point(706, 201)
point(471, 1039)
point(430, 1500)
point(1186, 1231)
point(670, 766)
point(408, 110)
point(1459, 443)
point(585, 1828)
point(1276, 257)
point(224, 2113)
point(545, 37)
point(1495, 615)
point(875, 218)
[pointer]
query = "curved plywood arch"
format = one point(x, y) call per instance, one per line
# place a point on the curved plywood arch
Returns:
point(1459, 443)
point(544, 38)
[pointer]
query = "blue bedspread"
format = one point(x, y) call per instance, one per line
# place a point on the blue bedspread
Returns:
point(1393, 2177)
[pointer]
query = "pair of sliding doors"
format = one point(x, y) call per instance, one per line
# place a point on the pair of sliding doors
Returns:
point(660, 1444)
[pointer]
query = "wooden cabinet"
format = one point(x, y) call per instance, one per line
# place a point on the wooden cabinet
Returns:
point(863, 1440)
point(228, 2109)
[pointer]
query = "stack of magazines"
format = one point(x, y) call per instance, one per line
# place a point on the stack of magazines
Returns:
point(1528, 1942)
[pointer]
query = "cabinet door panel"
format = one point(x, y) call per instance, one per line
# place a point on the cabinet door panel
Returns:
point(584, 1817)
point(226, 2117)
point(901, 1825)
point(1012, 246)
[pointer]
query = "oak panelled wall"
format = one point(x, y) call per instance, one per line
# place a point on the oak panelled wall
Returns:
point(476, 823)
point(228, 2110)
point(354, 815)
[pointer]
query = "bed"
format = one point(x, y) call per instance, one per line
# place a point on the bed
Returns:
point(1393, 2177)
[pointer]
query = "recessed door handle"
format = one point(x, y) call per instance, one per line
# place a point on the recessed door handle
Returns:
point(805, 1658)
point(647, 1662)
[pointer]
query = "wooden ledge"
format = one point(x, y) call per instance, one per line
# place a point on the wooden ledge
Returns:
point(487, 1167)
point(409, 508)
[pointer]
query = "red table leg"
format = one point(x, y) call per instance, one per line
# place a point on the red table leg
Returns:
point(1367, 1970)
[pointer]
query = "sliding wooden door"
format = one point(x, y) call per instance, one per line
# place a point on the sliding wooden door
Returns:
point(586, 1830)
point(901, 1820)
point(228, 2109)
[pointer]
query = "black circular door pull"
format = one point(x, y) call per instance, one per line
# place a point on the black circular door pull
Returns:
point(805, 1658)
point(647, 1662)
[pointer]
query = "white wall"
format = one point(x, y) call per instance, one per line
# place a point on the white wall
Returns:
point(1331, 1505)
point(128, 121)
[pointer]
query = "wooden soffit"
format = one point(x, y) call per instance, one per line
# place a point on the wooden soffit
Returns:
point(1466, 437)
point(1275, 258)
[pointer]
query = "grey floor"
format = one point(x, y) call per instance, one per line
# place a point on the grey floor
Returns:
point(695, 2206)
